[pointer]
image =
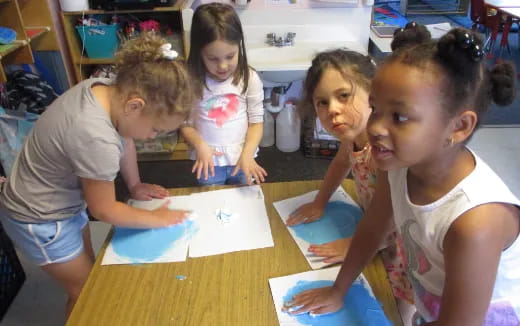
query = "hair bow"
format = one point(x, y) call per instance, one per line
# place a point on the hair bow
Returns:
point(167, 51)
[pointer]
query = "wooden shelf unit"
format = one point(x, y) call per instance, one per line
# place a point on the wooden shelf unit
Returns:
point(19, 15)
point(82, 64)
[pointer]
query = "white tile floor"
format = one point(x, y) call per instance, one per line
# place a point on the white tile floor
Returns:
point(45, 300)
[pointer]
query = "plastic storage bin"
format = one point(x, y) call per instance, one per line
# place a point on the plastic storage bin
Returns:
point(100, 41)
point(12, 275)
point(317, 148)
point(162, 144)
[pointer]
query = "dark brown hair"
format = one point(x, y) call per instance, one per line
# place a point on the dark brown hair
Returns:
point(353, 66)
point(211, 22)
point(467, 82)
point(143, 70)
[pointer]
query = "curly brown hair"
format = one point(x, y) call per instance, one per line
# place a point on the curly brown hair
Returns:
point(142, 70)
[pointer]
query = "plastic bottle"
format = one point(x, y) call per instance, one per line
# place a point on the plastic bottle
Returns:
point(268, 133)
point(288, 129)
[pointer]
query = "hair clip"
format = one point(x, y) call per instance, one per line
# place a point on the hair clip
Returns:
point(398, 30)
point(467, 42)
point(411, 25)
point(167, 51)
point(464, 40)
point(476, 53)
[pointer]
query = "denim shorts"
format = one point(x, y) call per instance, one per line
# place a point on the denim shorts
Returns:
point(223, 177)
point(49, 242)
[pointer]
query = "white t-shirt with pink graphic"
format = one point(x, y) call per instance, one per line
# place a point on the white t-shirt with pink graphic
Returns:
point(423, 228)
point(224, 113)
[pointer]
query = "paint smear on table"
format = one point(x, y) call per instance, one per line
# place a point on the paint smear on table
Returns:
point(339, 221)
point(359, 308)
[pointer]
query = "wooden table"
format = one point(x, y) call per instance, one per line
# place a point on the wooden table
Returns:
point(223, 290)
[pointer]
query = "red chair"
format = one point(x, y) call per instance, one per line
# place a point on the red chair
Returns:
point(491, 20)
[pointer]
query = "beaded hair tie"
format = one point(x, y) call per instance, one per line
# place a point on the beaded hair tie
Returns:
point(410, 25)
point(467, 42)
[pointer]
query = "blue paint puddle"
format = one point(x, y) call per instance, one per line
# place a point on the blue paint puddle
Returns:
point(146, 245)
point(339, 221)
point(359, 308)
point(180, 277)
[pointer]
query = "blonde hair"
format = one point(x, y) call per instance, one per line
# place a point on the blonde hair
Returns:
point(144, 71)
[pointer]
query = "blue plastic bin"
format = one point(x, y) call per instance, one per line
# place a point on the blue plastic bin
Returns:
point(99, 41)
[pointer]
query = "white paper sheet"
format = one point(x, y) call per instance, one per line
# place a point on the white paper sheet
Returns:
point(177, 249)
point(248, 228)
point(361, 307)
point(287, 206)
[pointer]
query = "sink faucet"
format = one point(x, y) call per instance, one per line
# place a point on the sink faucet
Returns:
point(287, 40)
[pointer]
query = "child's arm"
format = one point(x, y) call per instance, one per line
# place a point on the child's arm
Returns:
point(370, 233)
point(101, 201)
point(336, 173)
point(204, 162)
point(472, 249)
point(130, 173)
point(246, 162)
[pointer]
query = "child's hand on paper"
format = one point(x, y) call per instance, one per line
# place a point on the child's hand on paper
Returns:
point(250, 169)
point(204, 162)
point(306, 213)
point(315, 301)
point(146, 191)
point(167, 217)
point(334, 251)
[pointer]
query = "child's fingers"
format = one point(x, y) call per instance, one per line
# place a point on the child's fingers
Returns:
point(235, 171)
point(207, 170)
point(165, 204)
point(212, 169)
point(178, 216)
point(294, 220)
point(259, 177)
point(199, 171)
point(195, 166)
point(323, 251)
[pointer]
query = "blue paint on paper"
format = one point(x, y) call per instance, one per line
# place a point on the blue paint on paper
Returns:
point(339, 221)
point(146, 245)
point(359, 308)
point(181, 277)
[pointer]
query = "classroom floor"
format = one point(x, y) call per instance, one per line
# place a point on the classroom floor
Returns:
point(41, 301)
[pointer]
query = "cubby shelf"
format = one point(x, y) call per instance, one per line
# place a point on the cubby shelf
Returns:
point(84, 65)
point(15, 14)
